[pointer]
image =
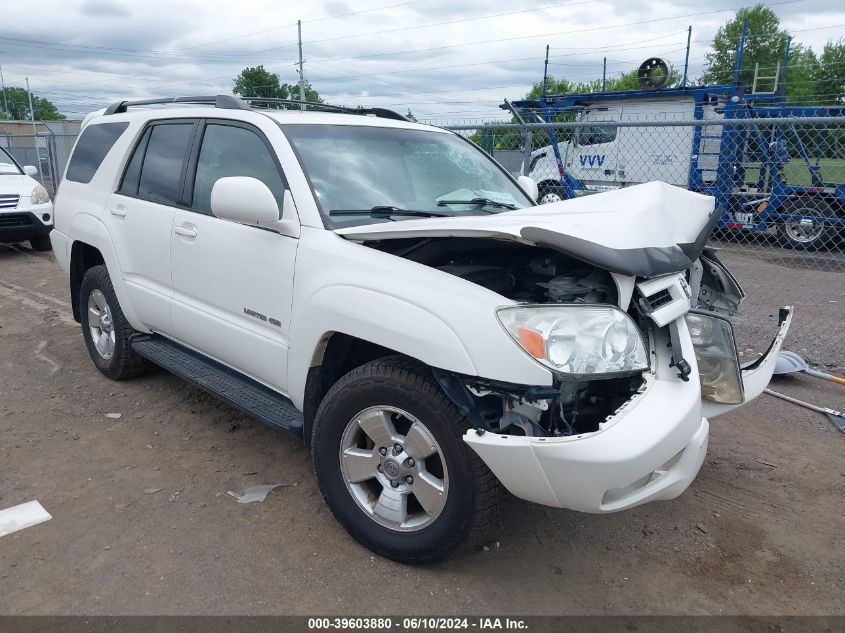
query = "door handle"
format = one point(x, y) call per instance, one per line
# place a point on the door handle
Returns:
point(119, 211)
point(185, 231)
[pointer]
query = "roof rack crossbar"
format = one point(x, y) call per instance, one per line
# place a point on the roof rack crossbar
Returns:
point(227, 102)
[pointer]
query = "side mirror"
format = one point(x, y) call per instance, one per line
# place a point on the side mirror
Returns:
point(30, 170)
point(244, 200)
point(530, 186)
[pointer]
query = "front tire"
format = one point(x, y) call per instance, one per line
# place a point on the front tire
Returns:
point(393, 467)
point(105, 328)
point(41, 243)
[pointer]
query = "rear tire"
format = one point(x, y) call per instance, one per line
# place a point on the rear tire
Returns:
point(105, 328)
point(383, 414)
point(807, 235)
point(41, 243)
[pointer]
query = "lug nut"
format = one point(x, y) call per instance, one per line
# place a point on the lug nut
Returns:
point(397, 449)
point(411, 462)
point(379, 468)
point(409, 480)
point(395, 484)
point(382, 450)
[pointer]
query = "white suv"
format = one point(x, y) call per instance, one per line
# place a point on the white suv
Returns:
point(387, 292)
point(26, 213)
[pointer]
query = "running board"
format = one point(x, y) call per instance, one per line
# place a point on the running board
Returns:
point(227, 384)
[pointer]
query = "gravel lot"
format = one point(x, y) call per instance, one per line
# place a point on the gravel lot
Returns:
point(760, 531)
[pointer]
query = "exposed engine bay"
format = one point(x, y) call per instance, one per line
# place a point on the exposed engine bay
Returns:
point(534, 275)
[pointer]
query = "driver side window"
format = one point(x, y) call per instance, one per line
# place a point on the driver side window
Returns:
point(228, 150)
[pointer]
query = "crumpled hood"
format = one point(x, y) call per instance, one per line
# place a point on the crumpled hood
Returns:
point(643, 230)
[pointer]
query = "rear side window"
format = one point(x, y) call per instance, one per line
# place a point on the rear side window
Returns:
point(129, 184)
point(161, 171)
point(233, 151)
point(93, 145)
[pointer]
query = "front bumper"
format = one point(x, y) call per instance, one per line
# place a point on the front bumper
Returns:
point(19, 225)
point(650, 449)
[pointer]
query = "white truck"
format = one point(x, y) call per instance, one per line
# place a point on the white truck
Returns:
point(388, 293)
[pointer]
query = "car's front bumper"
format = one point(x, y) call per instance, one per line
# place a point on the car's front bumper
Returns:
point(21, 224)
point(650, 449)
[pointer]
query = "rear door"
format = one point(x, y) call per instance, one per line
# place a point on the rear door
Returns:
point(233, 283)
point(140, 217)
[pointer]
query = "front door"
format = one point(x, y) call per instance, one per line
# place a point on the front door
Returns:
point(232, 282)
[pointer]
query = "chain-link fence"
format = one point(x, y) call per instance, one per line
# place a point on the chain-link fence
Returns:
point(779, 187)
point(48, 153)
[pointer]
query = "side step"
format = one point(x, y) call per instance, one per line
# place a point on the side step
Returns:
point(238, 390)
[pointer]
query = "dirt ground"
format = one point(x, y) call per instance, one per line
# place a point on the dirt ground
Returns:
point(759, 532)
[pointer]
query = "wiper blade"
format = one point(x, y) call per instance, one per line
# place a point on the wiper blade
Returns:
point(388, 211)
point(479, 202)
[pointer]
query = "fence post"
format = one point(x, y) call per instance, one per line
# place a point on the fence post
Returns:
point(527, 148)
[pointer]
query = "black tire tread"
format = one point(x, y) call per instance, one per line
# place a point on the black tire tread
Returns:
point(126, 363)
point(418, 379)
point(41, 243)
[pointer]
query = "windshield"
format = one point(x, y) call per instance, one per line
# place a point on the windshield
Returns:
point(7, 163)
point(366, 174)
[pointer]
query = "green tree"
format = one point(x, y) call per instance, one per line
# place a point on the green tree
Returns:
point(830, 76)
point(17, 100)
point(765, 44)
point(259, 82)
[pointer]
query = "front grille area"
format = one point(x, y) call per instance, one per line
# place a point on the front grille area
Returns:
point(12, 220)
point(9, 200)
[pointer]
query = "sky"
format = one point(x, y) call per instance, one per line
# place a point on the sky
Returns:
point(446, 61)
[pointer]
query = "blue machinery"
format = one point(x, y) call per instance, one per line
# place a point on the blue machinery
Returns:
point(772, 200)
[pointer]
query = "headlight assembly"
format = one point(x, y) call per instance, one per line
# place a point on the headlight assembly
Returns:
point(577, 339)
point(40, 195)
point(715, 352)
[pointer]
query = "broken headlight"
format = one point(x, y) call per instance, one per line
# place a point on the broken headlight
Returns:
point(577, 339)
point(715, 352)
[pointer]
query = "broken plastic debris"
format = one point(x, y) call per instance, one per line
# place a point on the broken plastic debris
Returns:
point(151, 491)
point(255, 493)
point(114, 416)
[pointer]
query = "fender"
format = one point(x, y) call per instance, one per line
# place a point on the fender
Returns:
point(91, 230)
point(375, 317)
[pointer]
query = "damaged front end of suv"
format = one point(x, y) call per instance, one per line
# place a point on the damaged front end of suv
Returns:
point(619, 298)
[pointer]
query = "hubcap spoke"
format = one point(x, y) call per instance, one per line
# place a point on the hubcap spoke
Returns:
point(93, 315)
point(419, 443)
point(378, 427)
point(430, 492)
point(103, 344)
point(99, 299)
point(360, 464)
point(392, 505)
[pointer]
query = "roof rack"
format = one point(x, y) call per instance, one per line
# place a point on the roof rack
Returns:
point(381, 113)
point(229, 102)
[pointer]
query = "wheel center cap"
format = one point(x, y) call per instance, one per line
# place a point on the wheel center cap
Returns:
point(391, 468)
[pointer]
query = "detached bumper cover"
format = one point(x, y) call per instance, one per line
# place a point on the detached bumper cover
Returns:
point(651, 449)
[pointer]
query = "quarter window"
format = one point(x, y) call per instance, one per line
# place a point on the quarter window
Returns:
point(94, 143)
point(161, 172)
point(233, 151)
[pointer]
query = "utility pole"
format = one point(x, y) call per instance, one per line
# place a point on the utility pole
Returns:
point(3, 88)
point(34, 132)
point(603, 74)
point(301, 70)
point(546, 71)
point(686, 59)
